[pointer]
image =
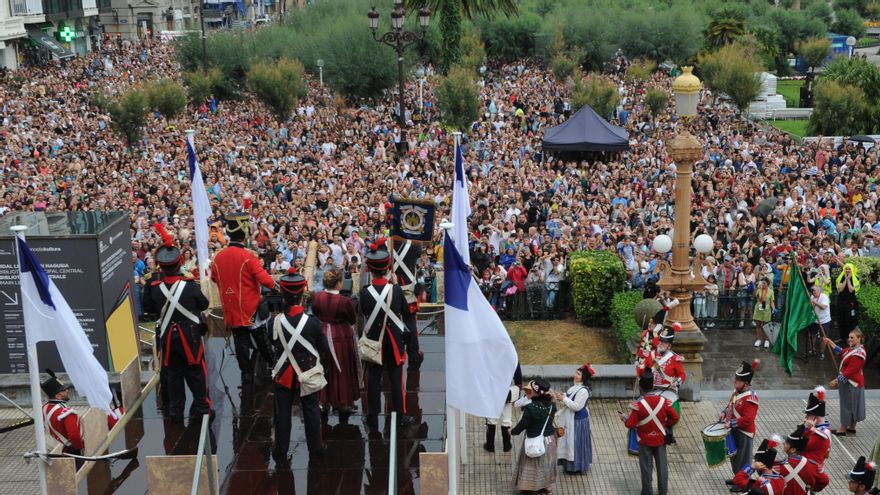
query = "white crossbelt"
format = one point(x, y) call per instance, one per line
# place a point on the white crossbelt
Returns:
point(793, 475)
point(287, 345)
point(382, 305)
point(172, 304)
point(652, 415)
point(55, 433)
point(399, 259)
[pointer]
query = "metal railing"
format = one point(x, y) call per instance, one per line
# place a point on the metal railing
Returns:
point(197, 478)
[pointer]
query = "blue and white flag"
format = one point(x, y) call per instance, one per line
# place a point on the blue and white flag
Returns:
point(47, 317)
point(480, 358)
point(201, 209)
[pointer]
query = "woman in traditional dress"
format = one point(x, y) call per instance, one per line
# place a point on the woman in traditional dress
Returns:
point(851, 381)
point(536, 473)
point(337, 315)
point(575, 450)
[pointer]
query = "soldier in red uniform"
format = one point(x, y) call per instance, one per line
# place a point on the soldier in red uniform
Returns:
point(767, 481)
point(862, 477)
point(651, 415)
point(801, 475)
point(179, 303)
point(818, 429)
point(381, 302)
point(740, 415)
point(239, 273)
point(61, 420)
point(668, 371)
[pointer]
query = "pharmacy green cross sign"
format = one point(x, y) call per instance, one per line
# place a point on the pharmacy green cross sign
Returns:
point(67, 34)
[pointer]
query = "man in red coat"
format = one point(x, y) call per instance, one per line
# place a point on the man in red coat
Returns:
point(740, 415)
point(651, 415)
point(801, 475)
point(239, 274)
point(60, 419)
point(818, 430)
point(767, 482)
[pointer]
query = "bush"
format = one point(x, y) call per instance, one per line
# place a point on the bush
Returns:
point(640, 71)
point(510, 38)
point(838, 109)
point(814, 52)
point(596, 91)
point(869, 309)
point(458, 99)
point(202, 84)
point(166, 97)
point(867, 269)
point(623, 306)
point(563, 66)
point(473, 54)
point(278, 85)
point(595, 277)
point(128, 115)
point(657, 102)
point(732, 70)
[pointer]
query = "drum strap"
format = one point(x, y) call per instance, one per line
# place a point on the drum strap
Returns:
point(652, 414)
point(793, 474)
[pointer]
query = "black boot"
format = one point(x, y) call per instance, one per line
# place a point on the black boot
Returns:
point(505, 438)
point(489, 446)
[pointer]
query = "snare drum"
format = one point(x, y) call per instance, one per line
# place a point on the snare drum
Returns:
point(632, 443)
point(673, 397)
point(719, 444)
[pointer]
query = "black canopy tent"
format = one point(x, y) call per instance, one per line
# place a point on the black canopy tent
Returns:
point(586, 131)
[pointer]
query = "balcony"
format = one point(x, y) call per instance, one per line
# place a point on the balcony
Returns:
point(61, 9)
point(105, 6)
point(25, 7)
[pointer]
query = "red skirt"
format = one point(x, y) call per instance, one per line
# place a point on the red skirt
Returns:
point(342, 388)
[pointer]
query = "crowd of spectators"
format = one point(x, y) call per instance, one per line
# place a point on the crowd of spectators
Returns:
point(328, 174)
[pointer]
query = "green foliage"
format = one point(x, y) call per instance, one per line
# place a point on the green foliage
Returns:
point(278, 85)
point(794, 26)
point(838, 108)
point(166, 97)
point(657, 102)
point(128, 115)
point(458, 99)
point(202, 84)
point(850, 23)
point(450, 30)
point(595, 277)
point(732, 70)
point(726, 25)
point(510, 38)
point(821, 11)
point(100, 100)
point(563, 66)
point(640, 70)
point(596, 91)
point(869, 309)
point(741, 83)
point(814, 51)
point(867, 269)
point(861, 7)
point(623, 306)
point(856, 72)
point(473, 53)
point(664, 34)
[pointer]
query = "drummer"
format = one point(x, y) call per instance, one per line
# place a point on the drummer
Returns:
point(818, 429)
point(668, 371)
point(740, 415)
point(768, 482)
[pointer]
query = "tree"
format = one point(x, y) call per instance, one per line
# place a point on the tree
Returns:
point(596, 91)
point(862, 7)
point(639, 71)
point(732, 70)
point(741, 83)
point(279, 85)
point(725, 26)
point(840, 109)
point(166, 97)
point(850, 23)
point(856, 72)
point(657, 102)
point(458, 99)
point(473, 53)
point(451, 13)
point(201, 84)
point(562, 66)
point(127, 115)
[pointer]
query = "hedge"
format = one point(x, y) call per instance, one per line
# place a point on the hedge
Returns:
point(623, 306)
point(869, 310)
point(595, 277)
point(867, 269)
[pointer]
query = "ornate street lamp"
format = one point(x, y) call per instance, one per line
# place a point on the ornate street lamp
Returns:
point(680, 279)
point(399, 40)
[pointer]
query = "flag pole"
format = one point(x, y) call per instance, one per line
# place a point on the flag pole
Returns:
point(821, 327)
point(203, 270)
point(452, 417)
point(462, 416)
point(34, 372)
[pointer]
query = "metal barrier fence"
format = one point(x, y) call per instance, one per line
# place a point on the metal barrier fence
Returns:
point(537, 302)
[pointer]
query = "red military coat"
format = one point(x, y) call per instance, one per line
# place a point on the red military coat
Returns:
point(767, 484)
point(818, 445)
point(650, 416)
point(239, 274)
point(63, 424)
point(800, 475)
point(743, 411)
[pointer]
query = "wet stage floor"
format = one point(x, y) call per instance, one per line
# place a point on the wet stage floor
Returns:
point(356, 462)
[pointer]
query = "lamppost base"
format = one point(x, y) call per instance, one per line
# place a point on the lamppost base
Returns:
point(689, 344)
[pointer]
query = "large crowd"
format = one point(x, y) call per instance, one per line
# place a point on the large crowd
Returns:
point(328, 174)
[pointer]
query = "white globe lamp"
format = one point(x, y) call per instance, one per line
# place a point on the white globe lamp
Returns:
point(703, 243)
point(662, 243)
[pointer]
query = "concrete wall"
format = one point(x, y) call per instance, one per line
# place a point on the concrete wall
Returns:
point(612, 381)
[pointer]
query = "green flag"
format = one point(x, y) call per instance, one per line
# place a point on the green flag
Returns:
point(798, 315)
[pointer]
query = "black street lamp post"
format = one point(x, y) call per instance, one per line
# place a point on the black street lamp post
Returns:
point(399, 40)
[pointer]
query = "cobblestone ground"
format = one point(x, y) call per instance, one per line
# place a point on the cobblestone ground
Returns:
point(614, 471)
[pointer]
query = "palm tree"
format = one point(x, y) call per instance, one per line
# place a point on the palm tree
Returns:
point(726, 25)
point(451, 12)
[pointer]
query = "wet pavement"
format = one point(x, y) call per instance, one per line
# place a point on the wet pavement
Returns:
point(356, 462)
point(727, 348)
